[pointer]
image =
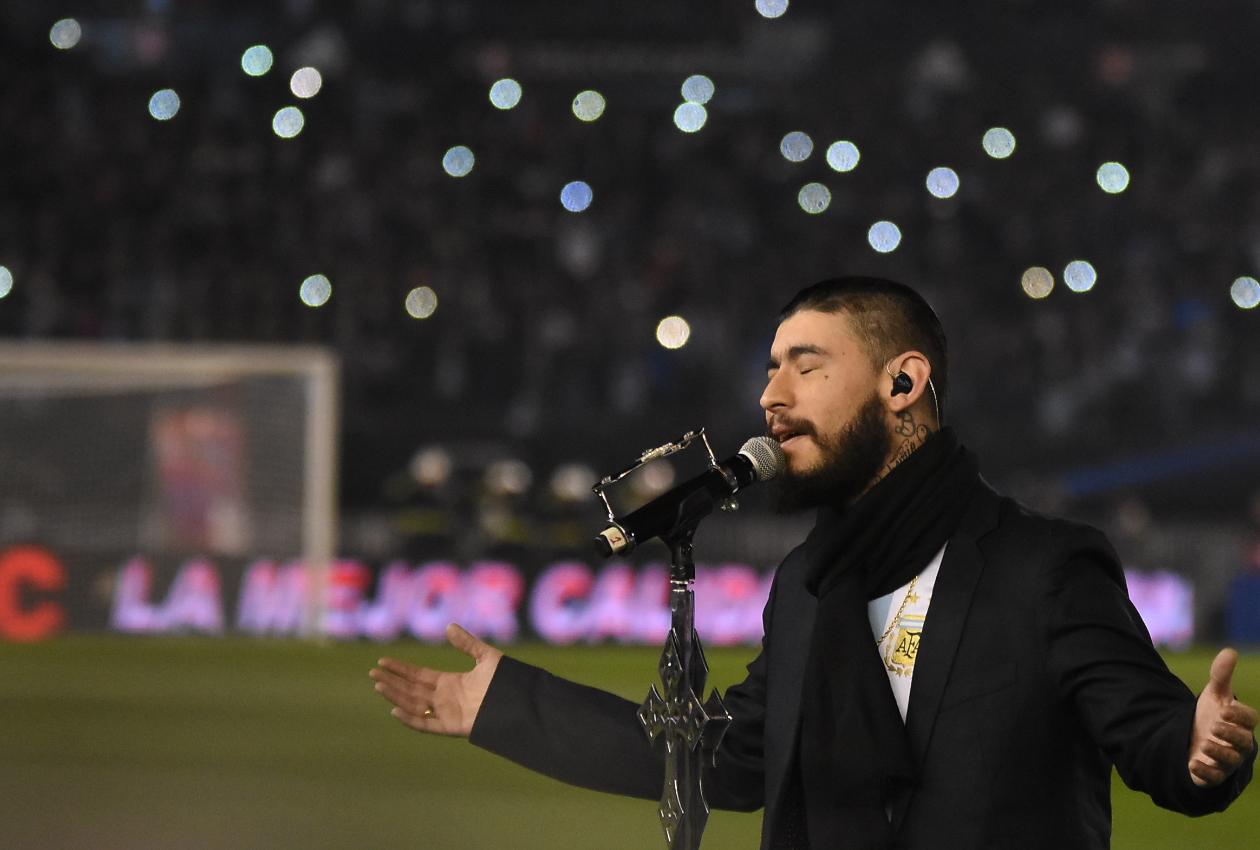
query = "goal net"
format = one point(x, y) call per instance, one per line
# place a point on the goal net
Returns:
point(110, 452)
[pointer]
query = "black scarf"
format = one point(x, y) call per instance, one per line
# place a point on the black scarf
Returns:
point(854, 755)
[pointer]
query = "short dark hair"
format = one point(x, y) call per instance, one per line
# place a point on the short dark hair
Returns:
point(888, 318)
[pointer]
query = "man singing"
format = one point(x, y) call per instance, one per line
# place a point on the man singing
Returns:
point(941, 667)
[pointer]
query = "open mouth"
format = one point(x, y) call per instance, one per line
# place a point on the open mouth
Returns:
point(787, 437)
point(786, 432)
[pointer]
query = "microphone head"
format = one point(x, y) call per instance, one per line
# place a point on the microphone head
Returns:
point(766, 456)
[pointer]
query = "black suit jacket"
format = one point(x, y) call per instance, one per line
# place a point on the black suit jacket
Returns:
point(1034, 675)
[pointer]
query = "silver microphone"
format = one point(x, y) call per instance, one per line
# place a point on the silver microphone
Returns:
point(759, 459)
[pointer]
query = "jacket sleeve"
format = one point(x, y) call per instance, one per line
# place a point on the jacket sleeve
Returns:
point(571, 732)
point(593, 739)
point(1104, 664)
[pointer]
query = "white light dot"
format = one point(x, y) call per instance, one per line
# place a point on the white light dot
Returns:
point(843, 156)
point(697, 89)
point(589, 105)
point(771, 8)
point(572, 482)
point(999, 142)
point(654, 479)
point(458, 161)
point(673, 332)
point(1037, 282)
point(164, 104)
point(1080, 276)
point(288, 122)
point(690, 117)
point(884, 236)
point(508, 477)
point(65, 34)
point(1113, 177)
point(796, 146)
point(576, 196)
point(1245, 291)
point(421, 302)
point(6, 281)
point(942, 182)
point(315, 291)
point(257, 60)
point(431, 466)
point(814, 198)
point(505, 93)
point(306, 82)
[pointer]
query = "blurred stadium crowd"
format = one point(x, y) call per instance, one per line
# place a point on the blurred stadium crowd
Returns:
point(201, 228)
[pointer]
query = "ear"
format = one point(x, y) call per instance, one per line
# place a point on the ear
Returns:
point(917, 367)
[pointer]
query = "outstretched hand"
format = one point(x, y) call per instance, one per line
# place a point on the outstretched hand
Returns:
point(1223, 726)
point(434, 700)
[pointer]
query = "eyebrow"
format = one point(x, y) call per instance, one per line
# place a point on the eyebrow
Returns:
point(795, 353)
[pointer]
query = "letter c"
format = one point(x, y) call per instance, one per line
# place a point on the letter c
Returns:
point(38, 568)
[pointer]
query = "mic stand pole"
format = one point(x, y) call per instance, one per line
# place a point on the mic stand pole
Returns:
point(688, 727)
point(677, 716)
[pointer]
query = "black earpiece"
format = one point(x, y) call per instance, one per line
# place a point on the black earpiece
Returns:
point(903, 383)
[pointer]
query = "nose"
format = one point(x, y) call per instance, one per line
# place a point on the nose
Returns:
point(776, 394)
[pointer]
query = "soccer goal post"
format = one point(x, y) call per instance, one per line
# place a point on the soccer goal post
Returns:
point(109, 451)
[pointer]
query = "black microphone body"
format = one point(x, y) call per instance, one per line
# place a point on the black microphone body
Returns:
point(681, 507)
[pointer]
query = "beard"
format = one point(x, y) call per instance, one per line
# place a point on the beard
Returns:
point(851, 458)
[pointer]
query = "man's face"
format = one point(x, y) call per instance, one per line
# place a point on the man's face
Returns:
point(823, 404)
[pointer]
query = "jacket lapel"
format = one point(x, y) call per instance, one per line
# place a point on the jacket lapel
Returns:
point(947, 614)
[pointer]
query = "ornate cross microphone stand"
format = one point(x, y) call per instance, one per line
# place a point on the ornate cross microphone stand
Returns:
point(688, 727)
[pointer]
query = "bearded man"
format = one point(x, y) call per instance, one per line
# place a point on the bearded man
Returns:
point(941, 668)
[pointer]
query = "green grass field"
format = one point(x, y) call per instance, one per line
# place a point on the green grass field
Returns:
point(108, 742)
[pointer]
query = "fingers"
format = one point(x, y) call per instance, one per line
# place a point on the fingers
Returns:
point(410, 691)
point(466, 642)
point(409, 672)
point(414, 700)
point(1221, 683)
point(1240, 714)
point(380, 675)
point(1234, 736)
point(1221, 756)
point(414, 691)
point(1231, 740)
point(1204, 774)
point(458, 637)
point(399, 668)
point(403, 686)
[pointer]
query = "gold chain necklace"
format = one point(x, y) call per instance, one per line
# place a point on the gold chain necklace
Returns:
point(901, 610)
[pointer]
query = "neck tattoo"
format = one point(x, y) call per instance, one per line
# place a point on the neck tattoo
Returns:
point(912, 433)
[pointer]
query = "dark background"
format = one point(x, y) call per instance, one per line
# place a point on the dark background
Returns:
point(201, 228)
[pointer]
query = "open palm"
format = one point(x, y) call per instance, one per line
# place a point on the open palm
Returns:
point(438, 701)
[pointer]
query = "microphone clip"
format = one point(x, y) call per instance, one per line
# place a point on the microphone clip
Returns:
point(650, 455)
